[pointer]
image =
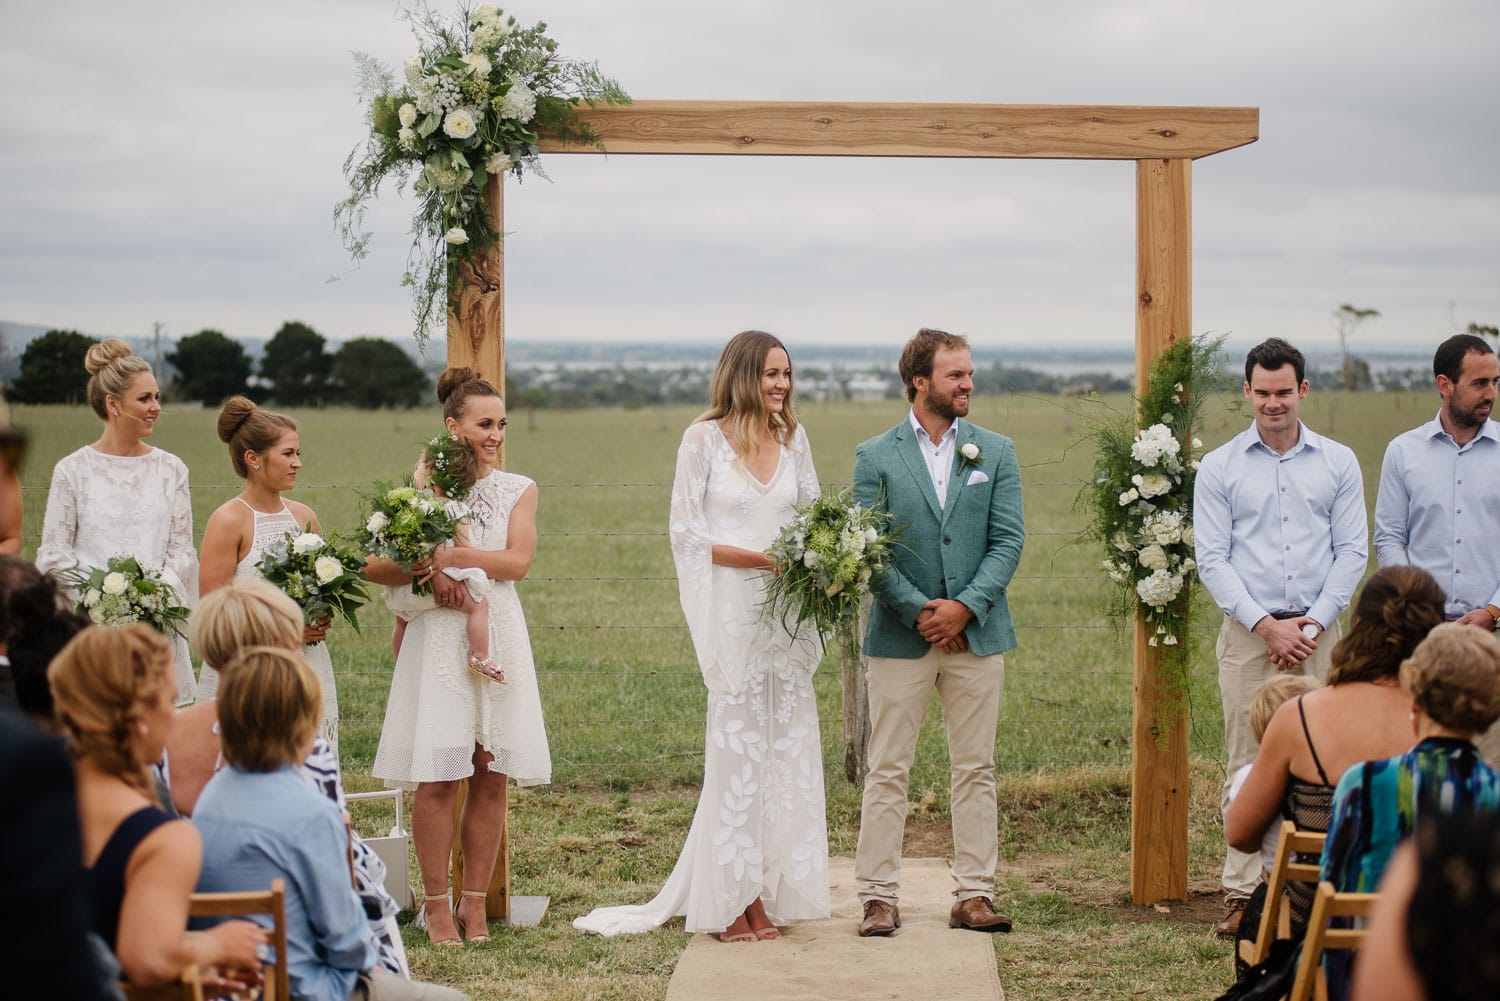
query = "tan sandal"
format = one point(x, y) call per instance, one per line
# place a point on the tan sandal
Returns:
point(463, 926)
point(421, 921)
point(486, 668)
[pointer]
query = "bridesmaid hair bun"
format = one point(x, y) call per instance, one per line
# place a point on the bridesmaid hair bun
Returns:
point(232, 415)
point(101, 355)
point(451, 379)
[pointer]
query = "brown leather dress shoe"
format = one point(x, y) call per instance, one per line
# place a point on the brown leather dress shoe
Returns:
point(881, 918)
point(1230, 926)
point(978, 914)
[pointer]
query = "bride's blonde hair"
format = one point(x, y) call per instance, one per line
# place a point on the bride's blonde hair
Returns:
point(734, 397)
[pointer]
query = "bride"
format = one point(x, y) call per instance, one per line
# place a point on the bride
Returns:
point(757, 852)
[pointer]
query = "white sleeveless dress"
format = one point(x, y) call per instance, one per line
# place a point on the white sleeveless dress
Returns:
point(437, 711)
point(101, 506)
point(270, 528)
point(760, 830)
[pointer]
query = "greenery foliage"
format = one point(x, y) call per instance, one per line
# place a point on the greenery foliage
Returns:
point(210, 367)
point(472, 104)
point(371, 373)
point(296, 366)
point(52, 369)
point(1140, 498)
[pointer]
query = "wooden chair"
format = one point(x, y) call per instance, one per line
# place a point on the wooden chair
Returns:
point(1311, 982)
point(1276, 916)
point(187, 987)
point(272, 902)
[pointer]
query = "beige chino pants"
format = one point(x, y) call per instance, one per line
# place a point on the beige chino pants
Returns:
point(1244, 666)
point(968, 687)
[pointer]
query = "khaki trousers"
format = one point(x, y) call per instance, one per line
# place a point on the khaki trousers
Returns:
point(969, 688)
point(1244, 666)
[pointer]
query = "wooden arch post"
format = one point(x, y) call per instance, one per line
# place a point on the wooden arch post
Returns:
point(1161, 141)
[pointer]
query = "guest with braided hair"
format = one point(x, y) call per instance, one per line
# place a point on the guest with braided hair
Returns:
point(113, 690)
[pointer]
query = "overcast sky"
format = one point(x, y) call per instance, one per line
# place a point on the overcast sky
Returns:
point(179, 161)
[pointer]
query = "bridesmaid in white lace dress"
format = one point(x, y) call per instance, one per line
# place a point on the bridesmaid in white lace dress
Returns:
point(120, 496)
point(444, 725)
point(757, 852)
point(266, 453)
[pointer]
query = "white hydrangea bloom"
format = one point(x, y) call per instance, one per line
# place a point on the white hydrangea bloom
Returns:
point(377, 521)
point(1152, 557)
point(1159, 589)
point(519, 102)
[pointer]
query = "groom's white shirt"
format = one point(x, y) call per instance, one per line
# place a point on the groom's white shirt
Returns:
point(939, 457)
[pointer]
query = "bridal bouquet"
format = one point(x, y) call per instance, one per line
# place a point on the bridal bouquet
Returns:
point(825, 557)
point(473, 102)
point(406, 524)
point(322, 576)
point(124, 591)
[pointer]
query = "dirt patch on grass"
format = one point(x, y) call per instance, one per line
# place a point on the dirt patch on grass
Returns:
point(1058, 873)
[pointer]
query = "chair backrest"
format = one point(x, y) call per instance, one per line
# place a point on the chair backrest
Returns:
point(1275, 916)
point(187, 987)
point(272, 902)
point(1327, 905)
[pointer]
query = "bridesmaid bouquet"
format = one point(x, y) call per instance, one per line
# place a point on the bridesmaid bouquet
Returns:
point(124, 591)
point(405, 525)
point(825, 557)
point(321, 575)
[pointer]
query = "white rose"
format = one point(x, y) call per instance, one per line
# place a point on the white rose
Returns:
point(408, 114)
point(377, 521)
point(970, 451)
point(114, 583)
point(1154, 485)
point(459, 123)
point(498, 163)
point(326, 568)
point(307, 542)
point(1152, 557)
point(1128, 496)
point(425, 506)
point(91, 597)
point(1197, 442)
point(407, 140)
point(871, 535)
point(456, 236)
point(477, 64)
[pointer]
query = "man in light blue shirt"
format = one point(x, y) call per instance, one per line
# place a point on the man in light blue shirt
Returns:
point(1280, 537)
point(1438, 506)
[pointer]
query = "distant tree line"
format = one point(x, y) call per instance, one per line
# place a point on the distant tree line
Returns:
point(295, 370)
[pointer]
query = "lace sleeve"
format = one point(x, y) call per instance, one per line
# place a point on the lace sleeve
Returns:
point(692, 545)
point(808, 488)
point(60, 524)
point(181, 558)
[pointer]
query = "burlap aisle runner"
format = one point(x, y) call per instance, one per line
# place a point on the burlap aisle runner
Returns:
point(827, 961)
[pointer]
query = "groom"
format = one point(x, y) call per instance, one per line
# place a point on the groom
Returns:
point(939, 620)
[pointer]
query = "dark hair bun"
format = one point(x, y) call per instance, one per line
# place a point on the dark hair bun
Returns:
point(99, 356)
point(235, 412)
point(451, 379)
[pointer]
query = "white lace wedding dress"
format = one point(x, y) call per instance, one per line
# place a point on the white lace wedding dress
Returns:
point(759, 830)
point(271, 528)
point(437, 711)
point(101, 506)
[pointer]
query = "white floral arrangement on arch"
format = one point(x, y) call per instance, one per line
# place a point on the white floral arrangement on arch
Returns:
point(473, 103)
point(1141, 494)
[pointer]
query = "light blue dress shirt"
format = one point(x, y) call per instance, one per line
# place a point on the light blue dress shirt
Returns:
point(258, 826)
point(1438, 508)
point(1280, 533)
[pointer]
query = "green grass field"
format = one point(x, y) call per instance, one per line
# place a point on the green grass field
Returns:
point(624, 700)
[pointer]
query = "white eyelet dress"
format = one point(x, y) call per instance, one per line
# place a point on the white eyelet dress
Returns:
point(270, 528)
point(437, 711)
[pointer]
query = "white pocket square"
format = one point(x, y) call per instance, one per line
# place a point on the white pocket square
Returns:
point(977, 476)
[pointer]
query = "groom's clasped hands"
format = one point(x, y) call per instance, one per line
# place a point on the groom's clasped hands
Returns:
point(941, 623)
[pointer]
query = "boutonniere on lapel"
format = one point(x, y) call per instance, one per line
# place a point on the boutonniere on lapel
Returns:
point(969, 455)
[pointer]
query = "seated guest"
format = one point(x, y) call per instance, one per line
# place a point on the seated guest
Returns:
point(1453, 680)
point(248, 612)
point(40, 622)
point(1433, 934)
point(261, 822)
point(1360, 715)
point(113, 691)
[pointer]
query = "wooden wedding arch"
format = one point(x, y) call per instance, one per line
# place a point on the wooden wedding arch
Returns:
point(1163, 142)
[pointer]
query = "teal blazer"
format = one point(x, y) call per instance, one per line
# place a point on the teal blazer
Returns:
point(966, 549)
